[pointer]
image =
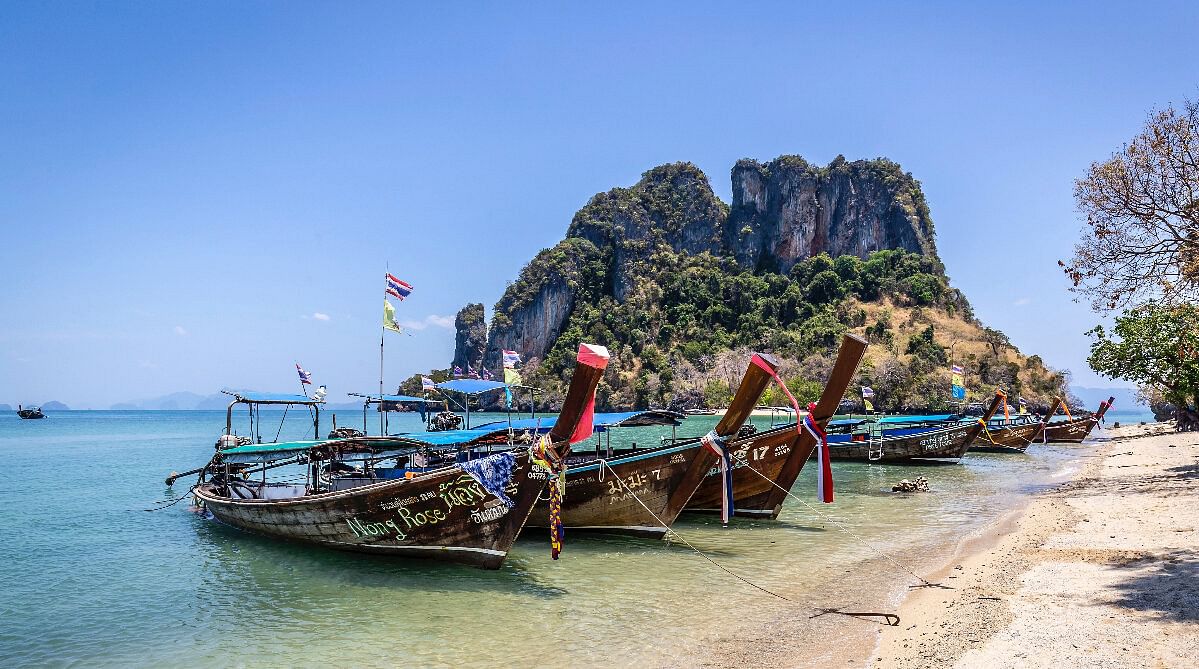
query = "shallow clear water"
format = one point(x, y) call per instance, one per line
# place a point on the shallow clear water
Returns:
point(88, 577)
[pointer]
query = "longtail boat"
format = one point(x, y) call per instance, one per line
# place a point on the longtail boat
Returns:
point(870, 441)
point(30, 413)
point(766, 464)
point(642, 491)
point(1007, 434)
point(468, 512)
point(1076, 429)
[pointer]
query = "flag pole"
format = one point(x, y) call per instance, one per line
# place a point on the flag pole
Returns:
point(382, 337)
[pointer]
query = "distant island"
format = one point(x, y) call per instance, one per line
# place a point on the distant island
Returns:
point(54, 405)
point(5, 407)
point(189, 401)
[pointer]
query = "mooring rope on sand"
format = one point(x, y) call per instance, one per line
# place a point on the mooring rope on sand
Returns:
point(688, 544)
point(924, 583)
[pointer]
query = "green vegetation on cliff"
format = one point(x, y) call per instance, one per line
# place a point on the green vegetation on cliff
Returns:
point(681, 287)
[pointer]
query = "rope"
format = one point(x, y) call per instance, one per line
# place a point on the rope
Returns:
point(688, 544)
point(277, 432)
point(841, 526)
point(167, 506)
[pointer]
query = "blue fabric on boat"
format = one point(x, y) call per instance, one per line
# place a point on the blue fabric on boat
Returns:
point(471, 386)
point(494, 473)
point(270, 398)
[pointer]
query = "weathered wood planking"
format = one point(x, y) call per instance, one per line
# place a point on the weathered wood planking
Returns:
point(642, 493)
point(767, 464)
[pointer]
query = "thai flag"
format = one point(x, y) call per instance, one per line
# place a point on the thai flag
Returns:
point(305, 377)
point(398, 289)
point(457, 372)
point(510, 359)
point(426, 383)
point(956, 369)
point(867, 391)
point(486, 374)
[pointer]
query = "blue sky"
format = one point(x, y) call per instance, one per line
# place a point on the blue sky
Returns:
point(197, 195)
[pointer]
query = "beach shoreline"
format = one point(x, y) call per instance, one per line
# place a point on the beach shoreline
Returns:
point(1100, 567)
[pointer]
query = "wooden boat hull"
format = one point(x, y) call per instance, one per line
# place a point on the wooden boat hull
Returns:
point(766, 464)
point(31, 414)
point(943, 443)
point(445, 515)
point(605, 498)
point(1014, 439)
point(1071, 431)
point(758, 462)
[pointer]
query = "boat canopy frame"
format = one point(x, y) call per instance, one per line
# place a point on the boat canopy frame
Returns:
point(253, 400)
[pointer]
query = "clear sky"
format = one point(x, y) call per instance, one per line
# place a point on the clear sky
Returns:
point(198, 195)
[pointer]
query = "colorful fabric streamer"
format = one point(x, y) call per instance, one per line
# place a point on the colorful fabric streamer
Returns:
point(766, 367)
point(717, 444)
point(542, 452)
point(824, 478)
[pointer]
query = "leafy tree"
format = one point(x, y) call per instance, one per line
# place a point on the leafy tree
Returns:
point(1141, 239)
point(1157, 347)
point(825, 288)
point(923, 347)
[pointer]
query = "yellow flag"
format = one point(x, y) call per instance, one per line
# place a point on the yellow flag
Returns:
point(512, 377)
point(389, 317)
point(869, 405)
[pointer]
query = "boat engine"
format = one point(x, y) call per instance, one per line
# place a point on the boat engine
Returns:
point(445, 420)
point(227, 441)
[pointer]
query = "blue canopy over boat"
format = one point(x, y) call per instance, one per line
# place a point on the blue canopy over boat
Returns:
point(602, 421)
point(253, 397)
point(918, 419)
point(397, 398)
point(261, 453)
point(470, 386)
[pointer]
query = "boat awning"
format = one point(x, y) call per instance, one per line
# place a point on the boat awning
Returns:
point(453, 437)
point(602, 421)
point(397, 398)
point(256, 453)
point(938, 418)
point(265, 452)
point(252, 397)
point(471, 386)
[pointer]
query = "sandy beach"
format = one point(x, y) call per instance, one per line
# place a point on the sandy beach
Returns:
point(1102, 571)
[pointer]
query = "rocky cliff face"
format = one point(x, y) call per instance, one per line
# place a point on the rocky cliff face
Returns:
point(783, 212)
point(471, 339)
point(533, 311)
point(787, 210)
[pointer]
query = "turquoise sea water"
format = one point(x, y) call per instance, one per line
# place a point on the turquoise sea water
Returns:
point(90, 578)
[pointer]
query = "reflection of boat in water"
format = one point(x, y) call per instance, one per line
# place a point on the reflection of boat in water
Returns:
point(431, 504)
point(30, 413)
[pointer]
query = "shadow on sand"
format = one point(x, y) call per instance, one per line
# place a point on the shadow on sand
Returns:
point(1170, 588)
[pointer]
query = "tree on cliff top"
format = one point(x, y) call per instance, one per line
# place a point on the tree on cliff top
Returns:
point(1142, 207)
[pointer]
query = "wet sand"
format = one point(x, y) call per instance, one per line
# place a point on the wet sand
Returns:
point(1102, 571)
